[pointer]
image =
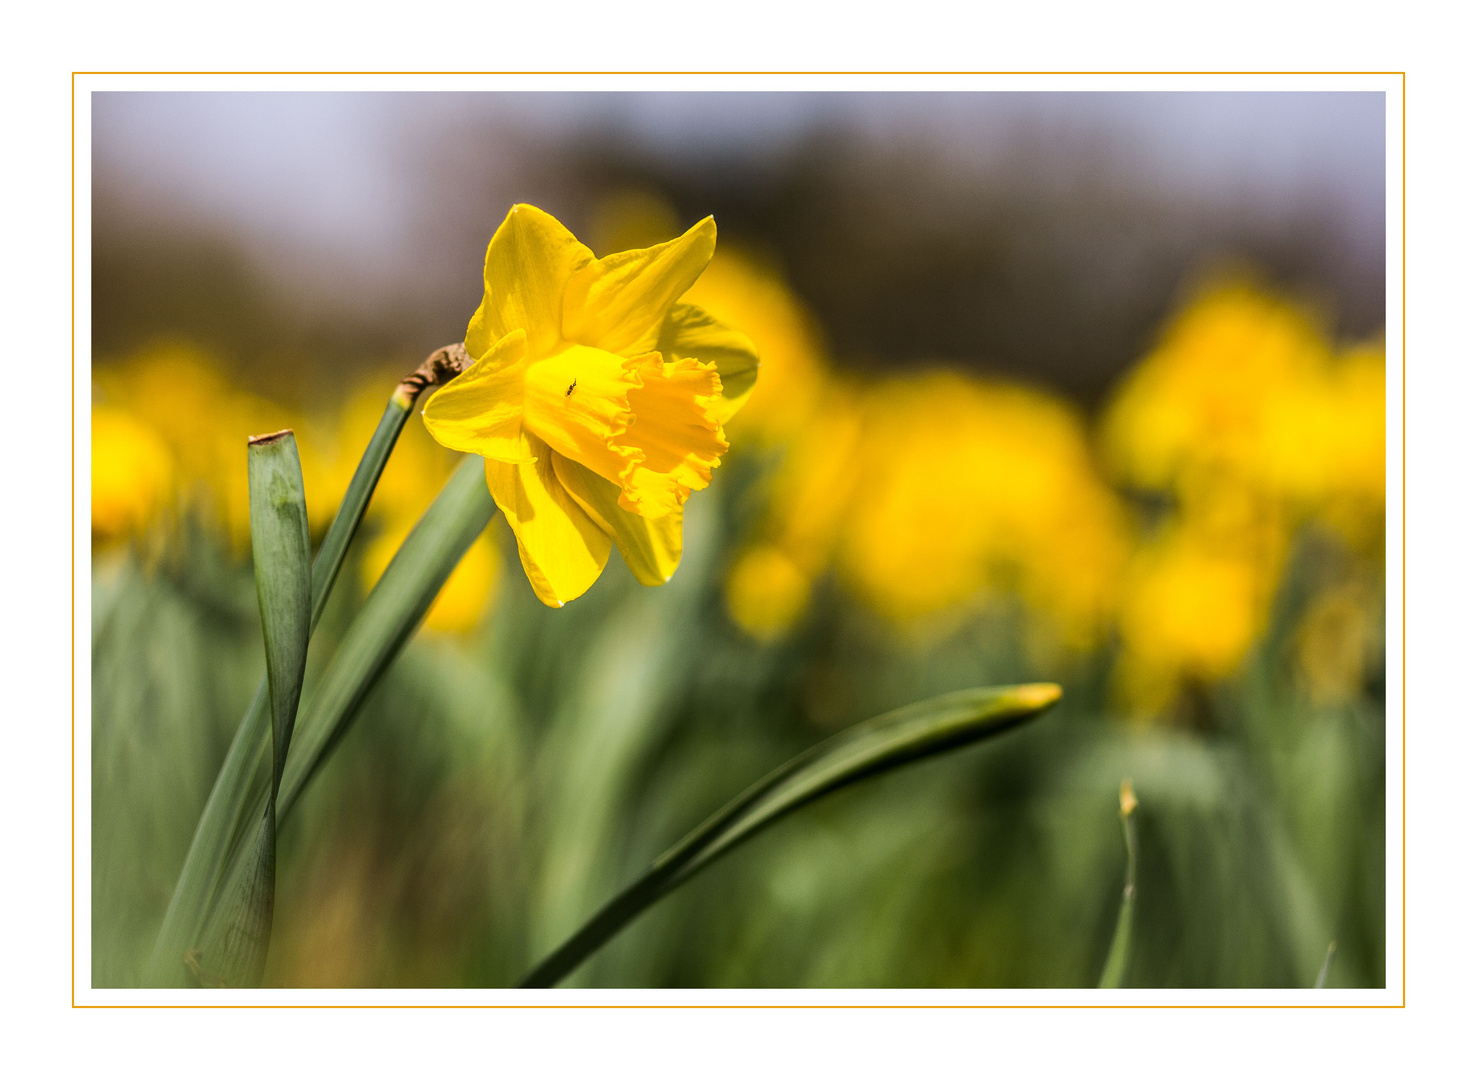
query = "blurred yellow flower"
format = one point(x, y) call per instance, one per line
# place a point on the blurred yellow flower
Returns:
point(930, 492)
point(1247, 419)
point(766, 591)
point(808, 497)
point(1188, 610)
point(597, 400)
point(972, 487)
point(178, 393)
point(132, 474)
point(1221, 394)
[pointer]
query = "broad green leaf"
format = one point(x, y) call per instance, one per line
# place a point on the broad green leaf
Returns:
point(228, 822)
point(280, 561)
point(874, 746)
point(1117, 962)
point(233, 948)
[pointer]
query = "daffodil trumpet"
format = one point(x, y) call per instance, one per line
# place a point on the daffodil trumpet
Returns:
point(596, 397)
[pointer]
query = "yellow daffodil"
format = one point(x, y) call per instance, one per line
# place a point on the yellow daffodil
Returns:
point(596, 398)
point(132, 474)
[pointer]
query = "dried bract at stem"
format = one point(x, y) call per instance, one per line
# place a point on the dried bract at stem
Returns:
point(443, 365)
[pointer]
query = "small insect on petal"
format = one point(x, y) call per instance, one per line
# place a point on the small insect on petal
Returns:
point(571, 387)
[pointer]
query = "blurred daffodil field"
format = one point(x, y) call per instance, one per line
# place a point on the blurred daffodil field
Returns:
point(1195, 554)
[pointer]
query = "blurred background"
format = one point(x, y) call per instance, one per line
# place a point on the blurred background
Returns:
point(1080, 387)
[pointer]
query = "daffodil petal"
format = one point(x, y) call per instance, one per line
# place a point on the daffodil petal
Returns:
point(481, 410)
point(620, 302)
point(561, 548)
point(652, 547)
point(678, 438)
point(529, 264)
point(690, 332)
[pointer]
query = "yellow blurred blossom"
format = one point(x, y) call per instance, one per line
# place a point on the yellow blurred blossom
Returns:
point(1189, 610)
point(766, 591)
point(177, 392)
point(807, 496)
point(1251, 424)
point(132, 475)
point(597, 400)
point(972, 486)
point(1218, 394)
point(930, 493)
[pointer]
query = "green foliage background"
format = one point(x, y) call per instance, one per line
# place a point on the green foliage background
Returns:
point(496, 789)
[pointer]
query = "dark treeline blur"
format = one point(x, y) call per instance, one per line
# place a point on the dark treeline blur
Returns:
point(1048, 258)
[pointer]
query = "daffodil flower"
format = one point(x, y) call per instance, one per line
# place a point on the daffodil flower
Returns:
point(596, 398)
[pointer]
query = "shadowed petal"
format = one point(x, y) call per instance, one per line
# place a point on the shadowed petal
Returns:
point(690, 332)
point(652, 547)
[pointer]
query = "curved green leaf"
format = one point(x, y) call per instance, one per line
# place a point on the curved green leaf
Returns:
point(878, 745)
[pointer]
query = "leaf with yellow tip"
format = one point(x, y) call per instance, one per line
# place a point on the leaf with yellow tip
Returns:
point(874, 746)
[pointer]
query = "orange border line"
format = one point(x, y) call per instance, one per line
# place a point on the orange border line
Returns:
point(73, 584)
point(724, 73)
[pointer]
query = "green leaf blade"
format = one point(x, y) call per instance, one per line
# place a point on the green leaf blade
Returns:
point(233, 946)
point(914, 732)
point(280, 560)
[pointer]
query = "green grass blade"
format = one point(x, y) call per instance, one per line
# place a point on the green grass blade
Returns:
point(874, 746)
point(390, 615)
point(1117, 963)
point(1322, 980)
point(227, 823)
